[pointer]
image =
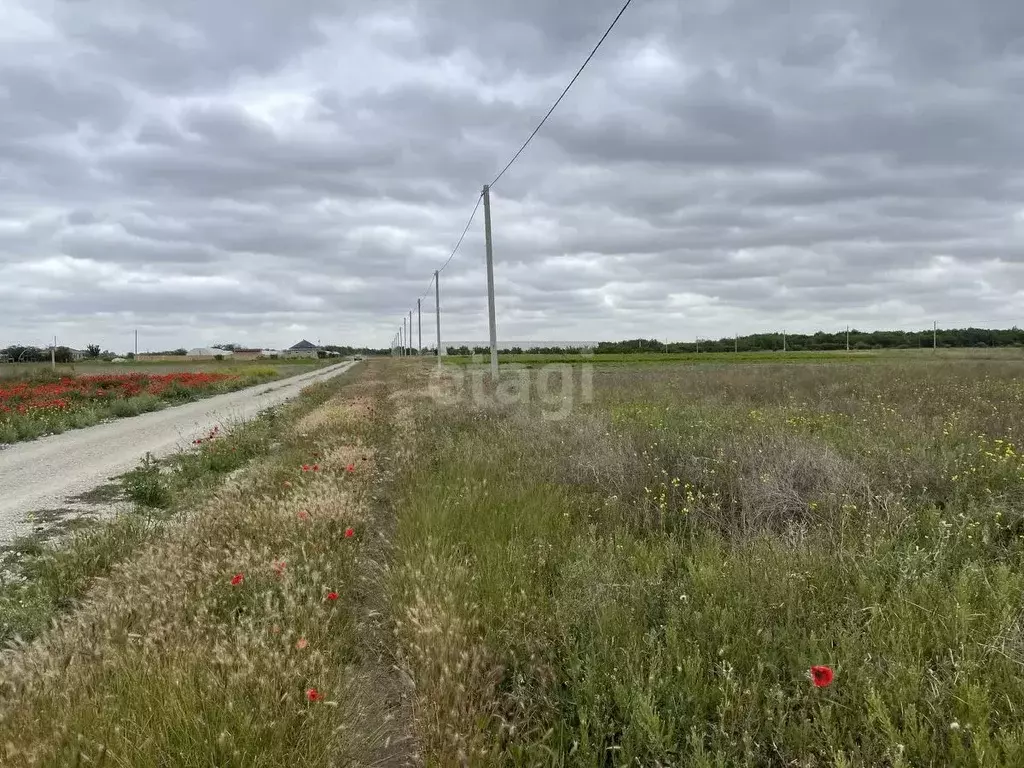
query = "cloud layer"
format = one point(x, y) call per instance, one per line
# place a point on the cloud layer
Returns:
point(259, 172)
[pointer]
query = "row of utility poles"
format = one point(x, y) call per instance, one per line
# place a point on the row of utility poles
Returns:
point(401, 344)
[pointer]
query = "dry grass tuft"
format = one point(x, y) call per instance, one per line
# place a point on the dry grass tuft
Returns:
point(338, 412)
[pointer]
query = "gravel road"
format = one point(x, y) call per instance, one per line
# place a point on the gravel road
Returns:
point(47, 473)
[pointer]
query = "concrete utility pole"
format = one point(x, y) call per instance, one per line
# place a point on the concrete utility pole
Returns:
point(409, 337)
point(698, 345)
point(401, 339)
point(783, 341)
point(437, 312)
point(847, 338)
point(490, 282)
point(136, 342)
point(736, 342)
point(419, 325)
point(53, 354)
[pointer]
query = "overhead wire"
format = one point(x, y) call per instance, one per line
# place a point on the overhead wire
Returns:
point(564, 91)
point(526, 143)
point(463, 235)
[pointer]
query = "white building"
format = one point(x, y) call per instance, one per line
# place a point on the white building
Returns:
point(208, 352)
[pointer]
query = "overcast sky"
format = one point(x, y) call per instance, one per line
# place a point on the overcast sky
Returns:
point(263, 171)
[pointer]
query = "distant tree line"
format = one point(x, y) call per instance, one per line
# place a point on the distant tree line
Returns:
point(758, 342)
point(795, 342)
point(28, 354)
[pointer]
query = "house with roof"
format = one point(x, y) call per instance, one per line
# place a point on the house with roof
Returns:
point(302, 349)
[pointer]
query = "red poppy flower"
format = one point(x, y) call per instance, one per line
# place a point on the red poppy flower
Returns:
point(349, 533)
point(301, 643)
point(305, 467)
point(197, 441)
point(332, 596)
point(313, 695)
point(822, 676)
point(303, 515)
point(351, 467)
point(237, 579)
point(279, 567)
point(316, 467)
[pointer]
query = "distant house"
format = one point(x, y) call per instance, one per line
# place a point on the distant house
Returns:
point(78, 354)
point(303, 349)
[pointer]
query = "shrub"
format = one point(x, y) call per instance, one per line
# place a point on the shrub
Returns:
point(145, 486)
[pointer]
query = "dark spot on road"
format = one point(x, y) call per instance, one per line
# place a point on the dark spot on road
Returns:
point(104, 494)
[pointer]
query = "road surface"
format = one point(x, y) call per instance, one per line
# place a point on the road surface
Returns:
point(45, 474)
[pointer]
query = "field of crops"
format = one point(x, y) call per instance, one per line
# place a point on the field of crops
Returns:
point(47, 402)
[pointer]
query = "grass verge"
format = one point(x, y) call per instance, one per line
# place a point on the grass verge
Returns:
point(243, 633)
point(41, 578)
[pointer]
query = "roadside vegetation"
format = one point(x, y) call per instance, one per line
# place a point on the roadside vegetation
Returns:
point(46, 573)
point(241, 632)
point(39, 401)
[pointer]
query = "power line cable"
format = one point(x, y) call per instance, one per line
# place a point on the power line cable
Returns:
point(427, 289)
point(463, 236)
point(527, 142)
point(565, 91)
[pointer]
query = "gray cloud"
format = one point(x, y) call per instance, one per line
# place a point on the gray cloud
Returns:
point(268, 171)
